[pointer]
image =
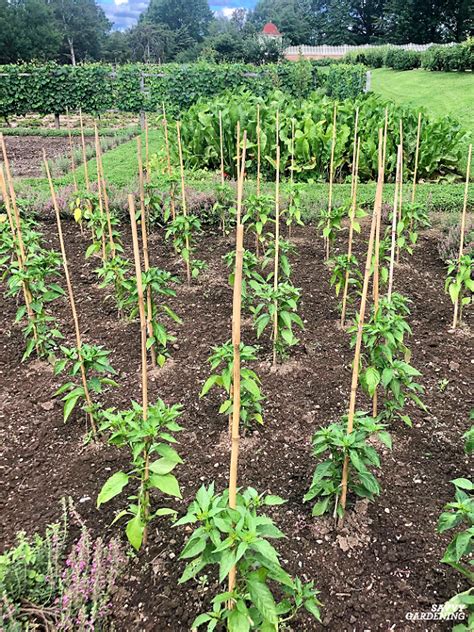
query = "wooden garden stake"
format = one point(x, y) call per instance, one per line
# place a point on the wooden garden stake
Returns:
point(71, 297)
point(84, 155)
point(147, 150)
point(292, 167)
point(385, 137)
point(354, 151)
point(259, 148)
point(71, 150)
point(183, 198)
point(360, 325)
point(99, 190)
point(277, 239)
point(355, 176)
point(238, 149)
point(241, 179)
point(417, 155)
point(235, 444)
point(331, 177)
point(400, 187)
point(6, 202)
point(143, 335)
point(105, 196)
point(168, 158)
point(221, 146)
point(463, 229)
point(394, 223)
point(146, 257)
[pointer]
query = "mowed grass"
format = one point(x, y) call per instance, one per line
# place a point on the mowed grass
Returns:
point(440, 93)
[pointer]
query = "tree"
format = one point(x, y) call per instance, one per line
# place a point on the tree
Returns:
point(83, 26)
point(34, 33)
point(332, 22)
point(177, 15)
point(292, 17)
point(367, 20)
point(116, 48)
point(155, 43)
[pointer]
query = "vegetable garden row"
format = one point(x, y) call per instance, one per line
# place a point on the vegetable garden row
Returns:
point(227, 530)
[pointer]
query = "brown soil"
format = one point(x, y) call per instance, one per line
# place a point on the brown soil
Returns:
point(381, 566)
point(26, 152)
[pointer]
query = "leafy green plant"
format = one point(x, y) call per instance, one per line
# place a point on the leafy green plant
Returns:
point(115, 270)
point(336, 444)
point(258, 213)
point(183, 230)
point(330, 223)
point(457, 513)
point(285, 250)
point(250, 270)
point(224, 205)
point(384, 360)
point(285, 301)
point(342, 265)
point(292, 213)
point(459, 283)
point(240, 538)
point(95, 360)
point(251, 397)
point(145, 436)
point(414, 218)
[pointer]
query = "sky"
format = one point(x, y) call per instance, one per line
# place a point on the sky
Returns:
point(124, 13)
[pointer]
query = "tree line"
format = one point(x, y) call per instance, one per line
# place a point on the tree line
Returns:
point(69, 31)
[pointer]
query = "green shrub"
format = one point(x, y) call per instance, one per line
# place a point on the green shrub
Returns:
point(345, 81)
point(400, 59)
point(372, 57)
point(448, 58)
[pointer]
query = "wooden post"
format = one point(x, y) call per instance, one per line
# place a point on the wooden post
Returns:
point(355, 178)
point(385, 137)
point(277, 238)
point(143, 336)
point(99, 190)
point(236, 315)
point(71, 150)
point(146, 257)
point(71, 297)
point(168, 157)
point(360, 325)
point(221, 145)
point(331, 176)
point(84, 155)
point(147, 151)
point(100, 167)
point(417, 154)
point(463, 229)
point(394, 222)
point(259, 148)
point(400, 188)
point(183, 199)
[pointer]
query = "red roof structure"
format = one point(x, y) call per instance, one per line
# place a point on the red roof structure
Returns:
point(271, 29)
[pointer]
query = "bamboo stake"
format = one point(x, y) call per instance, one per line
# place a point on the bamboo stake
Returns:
point(183, 198)
point(277, 239)
point(354, 150)
point(360, 325)
point(331, 176)
point(84, 155)
point(385, 136)
point(72, 302)
point(100, 167)
point(238, 150)
point(71, 150)
point(146, 257)
point(143, 335)
point(400, 188)
point(6, 203)
point(236, 315)
point(221, 145)
point(259, 148)
point(242, 178)
point(99, 189)
point(355, 177)
point(417, 153)
point(147, 150)
point(168, 158)
point(463, 229)
point(394, 222)
point(292, 167)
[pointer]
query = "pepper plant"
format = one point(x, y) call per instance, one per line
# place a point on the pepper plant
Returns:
point(285, 250)
point(340, 267)
point(330, 221)
point(225, 538)
point(414, 217)
point(115, 271)
point(335, 443)
point(223, 207)
point(292, 213)
point(258, 213)
point(97, 367)
point(145, 437)
point(460, 284)
point(250, 271)
point(251, 397)
point(183, 230)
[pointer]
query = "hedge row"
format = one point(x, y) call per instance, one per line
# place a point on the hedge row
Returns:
point(459, 57)
point(52, 89)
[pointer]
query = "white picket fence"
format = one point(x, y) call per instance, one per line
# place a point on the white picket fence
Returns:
point(339, 51)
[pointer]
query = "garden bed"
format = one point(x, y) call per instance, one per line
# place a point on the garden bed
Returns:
point(381, 566)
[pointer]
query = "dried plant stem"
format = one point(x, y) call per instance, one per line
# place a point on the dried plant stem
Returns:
point(463, 229)
point(168, 159)
point(146, 256)
point(331, 177)
point(360, 325)
point(84, 155)
point(143, 336)
point(394, 223)
point(71, 151)
point(259, 148)
point(417, 156)
point(183, 199)
point(355, 178)
point(277, 240)
point(72, 302)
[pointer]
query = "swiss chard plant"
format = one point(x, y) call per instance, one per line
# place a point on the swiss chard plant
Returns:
point(153, 459)
point(225, 538)
point(335, 444)
point(459, 283)
point(385, 359)
point(98, 372)
point(183, 231)
point(222, 365)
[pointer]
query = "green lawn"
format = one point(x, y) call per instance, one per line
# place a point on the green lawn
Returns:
point(441, 93)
